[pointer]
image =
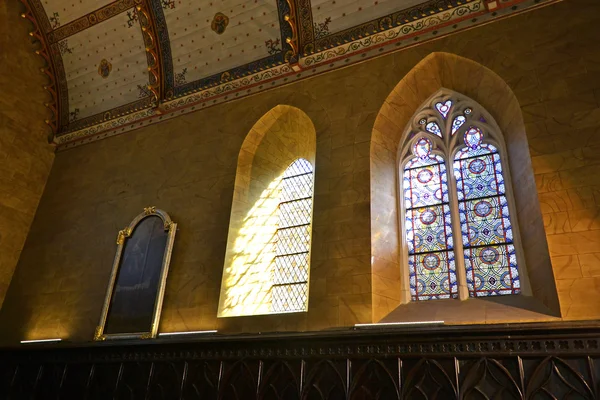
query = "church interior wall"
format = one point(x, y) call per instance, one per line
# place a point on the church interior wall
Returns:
point(187, 166)
point(25, 155)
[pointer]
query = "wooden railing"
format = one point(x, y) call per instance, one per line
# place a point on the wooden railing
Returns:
point(532, 361)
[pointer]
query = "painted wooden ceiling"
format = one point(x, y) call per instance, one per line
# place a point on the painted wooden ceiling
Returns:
point(115, 65)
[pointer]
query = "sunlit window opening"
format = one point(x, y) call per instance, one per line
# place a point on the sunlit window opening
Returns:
point(460, 223)
point(267, 261)
point(290, 273)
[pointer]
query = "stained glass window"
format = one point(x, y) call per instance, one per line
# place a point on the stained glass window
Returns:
point(486, 246)
point(487, 236)
point(428, 226)
point(292, 244)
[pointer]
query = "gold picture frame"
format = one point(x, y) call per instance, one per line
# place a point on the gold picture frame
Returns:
point(170, 227)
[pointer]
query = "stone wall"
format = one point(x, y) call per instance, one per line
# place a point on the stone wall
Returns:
point(187, 166)
point(25, 156)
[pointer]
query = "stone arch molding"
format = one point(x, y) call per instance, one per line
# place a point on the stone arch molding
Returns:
point(280, 137)
point(440, 75)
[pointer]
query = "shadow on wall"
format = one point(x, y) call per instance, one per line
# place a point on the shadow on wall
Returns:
point(281, 136)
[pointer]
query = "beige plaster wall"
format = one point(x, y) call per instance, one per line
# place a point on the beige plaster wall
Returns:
point(25, 156)
point(187, 167)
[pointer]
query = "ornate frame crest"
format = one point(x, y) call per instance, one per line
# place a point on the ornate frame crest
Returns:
point(122, 237)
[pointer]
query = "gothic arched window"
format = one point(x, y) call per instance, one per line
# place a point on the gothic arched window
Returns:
point(457, 225)
point(292, 255)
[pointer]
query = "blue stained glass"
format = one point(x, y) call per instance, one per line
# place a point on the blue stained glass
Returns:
point(428, 226)
point(485, 221)
point(433, 276)
point(422, 148)
point(457, 123)
point(425, 186)
point(492, 270)
point(473, 137)
point(444, 108)
point(428, 229)
point(479, 176)
point(490, 256)
point(434, 128)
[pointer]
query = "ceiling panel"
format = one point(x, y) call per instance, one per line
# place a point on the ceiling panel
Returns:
point(95, 86)
point(242, 32)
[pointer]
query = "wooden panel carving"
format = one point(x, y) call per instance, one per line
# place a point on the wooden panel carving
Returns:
point(449, 363)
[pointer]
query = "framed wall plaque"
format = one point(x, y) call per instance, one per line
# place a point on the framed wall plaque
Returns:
point(137, 282)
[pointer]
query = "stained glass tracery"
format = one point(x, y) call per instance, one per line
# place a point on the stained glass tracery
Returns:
point(428, 227)
point(487, 238)
point(292, 247)
point(488, 241)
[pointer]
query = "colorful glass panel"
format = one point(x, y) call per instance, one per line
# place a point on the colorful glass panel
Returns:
point(457, 123)
point(490, 257)
point(492, 270)
point(290, 268)
point(428, 226)
point(444, 108)
point(485, 221)
point(434, 128)
point(427, 185)
point(433, 276)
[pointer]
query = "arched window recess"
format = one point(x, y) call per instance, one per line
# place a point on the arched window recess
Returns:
point(456, 204)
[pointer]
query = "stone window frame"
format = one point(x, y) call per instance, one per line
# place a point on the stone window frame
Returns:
point(445, 70)
point(447, 149)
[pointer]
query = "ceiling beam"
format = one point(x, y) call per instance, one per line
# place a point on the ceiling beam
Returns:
point(49, 71)
point(153, 50)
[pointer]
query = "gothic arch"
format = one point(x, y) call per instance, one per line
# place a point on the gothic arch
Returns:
point(452, 72)
point(280, 137)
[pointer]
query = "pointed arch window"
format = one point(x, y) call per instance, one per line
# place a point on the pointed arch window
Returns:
point(457, 225)
point(292, 244)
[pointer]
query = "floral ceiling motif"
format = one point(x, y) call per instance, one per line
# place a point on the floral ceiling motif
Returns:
point(115, 62)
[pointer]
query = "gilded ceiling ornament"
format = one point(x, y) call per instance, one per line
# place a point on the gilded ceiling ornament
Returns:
point(219, 23)
point(104, 68)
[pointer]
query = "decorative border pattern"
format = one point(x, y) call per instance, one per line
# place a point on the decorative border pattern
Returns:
point(470, 9)
point(172, 91)
point(91, 19)
point(217, 90)
point(36, 15)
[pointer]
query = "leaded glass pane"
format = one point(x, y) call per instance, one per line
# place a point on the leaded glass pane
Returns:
point(444, 108)
point(457, 123)
point(290, 267)
point(434, 128)
point(428, 229)
point(485, 221)
point(288, 298)
point(297, 212)
point(433, 276)
point(492, 270)
point(490, 257)
point(425, 186)
point(298, 167)
point(479, 176)
point(293, 240)
point(297, 187)
point(428, 226)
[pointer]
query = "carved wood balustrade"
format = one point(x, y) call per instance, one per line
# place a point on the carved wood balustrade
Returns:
point(527, 361)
